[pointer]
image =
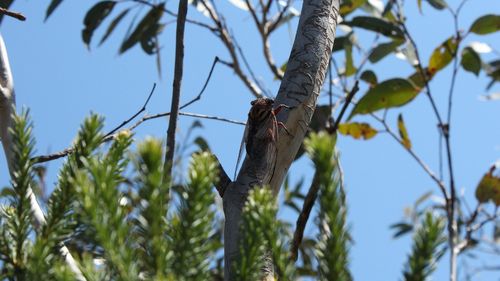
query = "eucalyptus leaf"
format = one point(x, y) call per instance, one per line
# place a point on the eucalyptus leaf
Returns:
point(486, 24)
point(113, 25)
point(376, 24)
point(390, 93)
point(471, 61)
point(383, 49)
point(349, 6)
point(52, 6)
point(94, 18)
point(403, 133)
point(438, 4)
point(369, 77)
point(442, 55)
point(357, 130)
point(148, 23)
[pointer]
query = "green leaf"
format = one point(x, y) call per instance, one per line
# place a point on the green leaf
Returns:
point(489, 188)
point(438, 4)
point(417, 80)
point(403, 133)
point(486, 24)
point(383, 49)
point(390, 93)
point(357, 130)
point(401, 229)
point(350, 69)
point(471, 61)
point(149, 22)
point(53, 5)
point(442, 55)
point(369, 77)
point(376, 24)
point(419, 3)
point(149, 42)
point(113, 25)
point(348, 6)
point(94, 18)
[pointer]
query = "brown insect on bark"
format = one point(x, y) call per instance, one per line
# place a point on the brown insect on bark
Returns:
point(261, 135)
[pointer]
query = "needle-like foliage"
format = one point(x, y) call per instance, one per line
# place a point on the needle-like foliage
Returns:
point(333, 241)
point(151, 223)
point(192, 225)
point(427, 248)
point(261, 244)
point(16, 222)
point(97, 186)
point(61, 222)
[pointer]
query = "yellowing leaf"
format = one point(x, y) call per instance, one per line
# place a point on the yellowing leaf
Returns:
point(403, 133)
point(357, 130)
point(489, 188)
point(442, 55)
point(349, 6)
point(390, 93)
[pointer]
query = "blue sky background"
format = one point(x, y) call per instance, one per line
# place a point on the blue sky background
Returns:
point(61, 81)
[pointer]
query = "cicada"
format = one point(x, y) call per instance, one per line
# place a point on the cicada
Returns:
point(260, 137)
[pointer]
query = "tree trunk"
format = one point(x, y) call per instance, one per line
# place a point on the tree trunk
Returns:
point(300, 87)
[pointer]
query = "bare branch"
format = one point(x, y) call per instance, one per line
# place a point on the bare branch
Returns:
point(198, 97)
point(142, 109)
point(224, 35)
point(176, 90)
point(109, 137)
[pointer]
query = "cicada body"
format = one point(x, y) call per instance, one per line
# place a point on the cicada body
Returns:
point(260, 137)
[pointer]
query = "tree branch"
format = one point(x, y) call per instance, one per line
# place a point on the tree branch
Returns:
point(224, 35)
point(300, 87)
point(176, 91)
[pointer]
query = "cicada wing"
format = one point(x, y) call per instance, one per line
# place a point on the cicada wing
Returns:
point(240, 152)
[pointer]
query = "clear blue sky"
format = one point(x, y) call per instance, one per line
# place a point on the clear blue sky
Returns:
point(61, 81)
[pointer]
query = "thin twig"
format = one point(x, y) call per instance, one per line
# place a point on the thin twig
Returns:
point(348, 100)
point(262, 27)
point(198, 97)
point(312, 193)
point(143, 108)
point(176, 90)
point(224, 35)
point(67, 151)
point(15, 15)
point(445, 129)
point(298, 235)
point(414, 155)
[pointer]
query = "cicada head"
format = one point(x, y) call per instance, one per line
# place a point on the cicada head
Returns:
point(261, 109)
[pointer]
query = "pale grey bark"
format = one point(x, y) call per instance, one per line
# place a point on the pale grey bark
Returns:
point(300, 87)
point(7, 108)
